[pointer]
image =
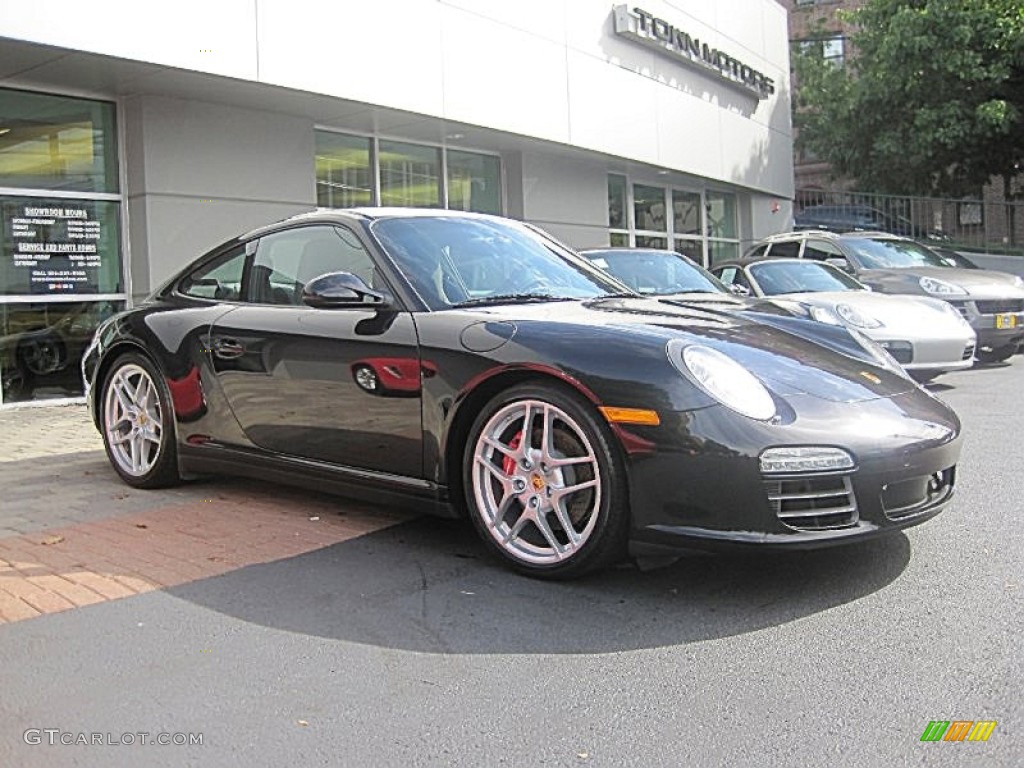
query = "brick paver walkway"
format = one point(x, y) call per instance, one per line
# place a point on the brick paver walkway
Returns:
point(72, 534)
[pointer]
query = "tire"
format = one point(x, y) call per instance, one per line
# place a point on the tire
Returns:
point(996, 354)
point(137, 423)
point(552, 511)
point(44, 355)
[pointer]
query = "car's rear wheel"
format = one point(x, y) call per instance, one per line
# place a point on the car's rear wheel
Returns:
point(137, 423)
point(996, 354)
point(544, 484)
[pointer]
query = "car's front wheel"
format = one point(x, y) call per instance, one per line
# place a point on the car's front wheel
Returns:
point(544, 483)
point(137, 423)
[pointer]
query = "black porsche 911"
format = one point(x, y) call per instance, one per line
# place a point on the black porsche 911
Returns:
point(471, 365)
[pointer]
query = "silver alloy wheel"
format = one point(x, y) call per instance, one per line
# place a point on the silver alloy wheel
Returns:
point(536, 482)
point(132, 423)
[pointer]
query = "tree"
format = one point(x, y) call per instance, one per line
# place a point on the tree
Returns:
point(931, 101)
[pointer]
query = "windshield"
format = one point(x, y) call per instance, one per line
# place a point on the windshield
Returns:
point(660, 273)
point(451, 260)
point(892, 254)
point(776, 278)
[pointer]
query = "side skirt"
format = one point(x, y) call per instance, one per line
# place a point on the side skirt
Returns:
point(365, 485)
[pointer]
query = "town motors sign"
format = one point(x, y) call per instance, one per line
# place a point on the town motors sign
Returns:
point(647, 29)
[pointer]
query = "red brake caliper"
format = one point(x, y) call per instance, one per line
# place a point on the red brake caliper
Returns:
point(508, 464)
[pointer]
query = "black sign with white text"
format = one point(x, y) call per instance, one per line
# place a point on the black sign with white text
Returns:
point(58, 247)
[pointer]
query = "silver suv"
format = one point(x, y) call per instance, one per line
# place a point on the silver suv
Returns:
point(992, 302)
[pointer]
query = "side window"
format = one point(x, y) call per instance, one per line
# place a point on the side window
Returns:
point(287, 260)
point(728, 275)
point(220, 280)
point(820, 250)
point(758, 252)
point(785, 249)
point(741, 280)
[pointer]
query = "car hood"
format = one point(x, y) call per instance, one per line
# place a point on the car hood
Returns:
point(979, 283)
point(791, 355)
point(921, 316)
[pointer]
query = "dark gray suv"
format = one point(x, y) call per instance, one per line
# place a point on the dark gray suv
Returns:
point(992, 302)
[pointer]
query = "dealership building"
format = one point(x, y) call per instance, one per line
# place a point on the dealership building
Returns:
point(135, 137)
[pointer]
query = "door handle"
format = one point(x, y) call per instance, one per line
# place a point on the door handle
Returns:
point(228, 349)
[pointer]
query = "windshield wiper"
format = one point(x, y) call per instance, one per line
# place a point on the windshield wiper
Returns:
point(511, 298)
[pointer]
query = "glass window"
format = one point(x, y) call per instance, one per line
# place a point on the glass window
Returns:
point(686, 212)
point(474, 182)
point(54, 246)
point(649, 208)
point(692, 248)
point(42, 344)
point(410, 175)
point(618, 239)
point(821, 250)
point(722, 215)
point(287, 260)
point(647, 241)
point(452, 261)
point(785, 250)
point(719, 252)
point(221, 279)
point(344, 175)
point(57, 143)
point(617, 201)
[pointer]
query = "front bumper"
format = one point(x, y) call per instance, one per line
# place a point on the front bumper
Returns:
point(713, 496)
point(997, 322)
point(938, 354)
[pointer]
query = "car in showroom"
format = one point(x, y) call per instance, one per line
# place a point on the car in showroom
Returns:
point(926, 336)
point(992, 302)
point(573, 420)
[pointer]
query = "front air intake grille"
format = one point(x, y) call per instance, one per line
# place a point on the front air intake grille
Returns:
point(968, 352)
point(995, 306)
point(918, 494)
point(819, 503)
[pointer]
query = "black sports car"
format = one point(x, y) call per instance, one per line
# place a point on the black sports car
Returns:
point(474, 366)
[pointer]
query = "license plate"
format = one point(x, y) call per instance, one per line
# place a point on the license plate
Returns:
point(1006, 320)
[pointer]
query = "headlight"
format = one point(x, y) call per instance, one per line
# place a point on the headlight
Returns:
point(878, 352)
point(856, 318)
point(824, 315)
point(724, 379)
point(810, 458)
point(949, 309)
point(940, 287)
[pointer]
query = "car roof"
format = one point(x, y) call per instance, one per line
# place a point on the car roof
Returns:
point(804, 234)
point(627, 250)
point(327, 215)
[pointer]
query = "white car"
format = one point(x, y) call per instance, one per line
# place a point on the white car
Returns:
point(927, 336)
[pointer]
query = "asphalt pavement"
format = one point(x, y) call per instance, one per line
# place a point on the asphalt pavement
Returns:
point(279, 627)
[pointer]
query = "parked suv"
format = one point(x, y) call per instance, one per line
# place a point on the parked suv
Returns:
point(992, 302)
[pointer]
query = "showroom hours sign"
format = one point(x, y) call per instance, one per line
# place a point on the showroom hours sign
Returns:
point(54, 248)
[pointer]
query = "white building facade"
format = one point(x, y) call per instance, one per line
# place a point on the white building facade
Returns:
point(134, 137)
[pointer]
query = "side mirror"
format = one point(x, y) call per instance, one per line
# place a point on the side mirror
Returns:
point(342, 290)
point(739, 290)
point(840, 262)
